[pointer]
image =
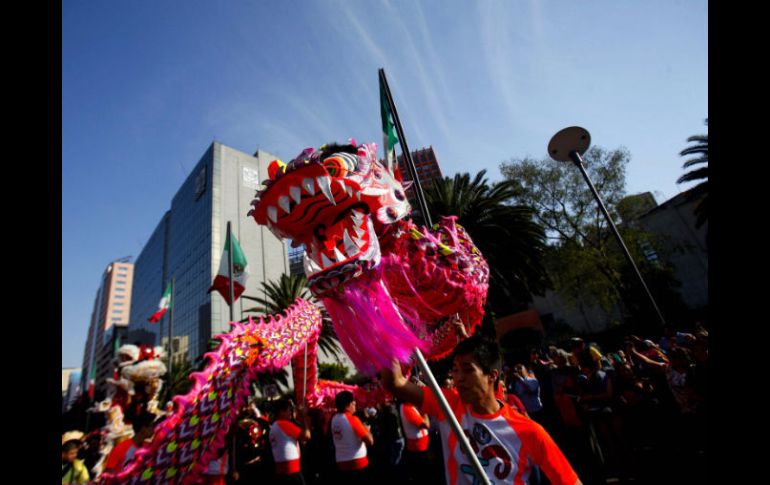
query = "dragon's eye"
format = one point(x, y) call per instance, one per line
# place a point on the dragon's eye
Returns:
point(335, 166)
point(340, 164)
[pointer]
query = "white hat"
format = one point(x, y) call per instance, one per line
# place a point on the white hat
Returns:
point(72, 435)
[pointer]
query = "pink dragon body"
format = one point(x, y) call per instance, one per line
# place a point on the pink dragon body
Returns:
point(388, 286)
point(185, 442)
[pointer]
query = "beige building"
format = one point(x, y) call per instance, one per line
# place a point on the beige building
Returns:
point(109, 317)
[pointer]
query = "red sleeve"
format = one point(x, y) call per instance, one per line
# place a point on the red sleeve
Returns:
point(430, 405)
point(516, 404)
point(292, 430)
point(547, 455)
point(411, 414)
point(358, 427)
point(115, 459)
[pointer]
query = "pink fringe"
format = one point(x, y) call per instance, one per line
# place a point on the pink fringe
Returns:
point(369, 326)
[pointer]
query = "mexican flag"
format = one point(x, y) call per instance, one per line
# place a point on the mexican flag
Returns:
point(91, 380)
point(389, 136)
point(165, 303)
point(221, 282)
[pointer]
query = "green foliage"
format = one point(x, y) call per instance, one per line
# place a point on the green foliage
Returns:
point(178, 383)
point(278, 378)
point(357, 379)
point(278, 296)
point(583, 260)
point(332, 371)
point(700, 149)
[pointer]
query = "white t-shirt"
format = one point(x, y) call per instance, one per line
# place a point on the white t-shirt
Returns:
point(349, 448)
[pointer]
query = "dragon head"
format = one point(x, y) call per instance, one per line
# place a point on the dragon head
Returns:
point(336, 201)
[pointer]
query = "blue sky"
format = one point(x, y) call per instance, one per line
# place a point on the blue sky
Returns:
point(147, 86)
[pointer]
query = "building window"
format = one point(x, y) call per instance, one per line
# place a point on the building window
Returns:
point(200, 182)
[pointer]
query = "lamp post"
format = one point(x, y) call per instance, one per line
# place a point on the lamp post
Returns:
point(567, 146)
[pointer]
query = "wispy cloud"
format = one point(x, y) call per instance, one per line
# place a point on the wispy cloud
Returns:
point(428, 69)
point(496, 43)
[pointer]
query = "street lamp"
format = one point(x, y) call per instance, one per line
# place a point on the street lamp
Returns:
point(567, 146)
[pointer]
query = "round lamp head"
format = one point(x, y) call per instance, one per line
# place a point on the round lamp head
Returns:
point(567, 140)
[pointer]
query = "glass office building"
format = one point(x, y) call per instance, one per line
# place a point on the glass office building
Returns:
point(187, 246)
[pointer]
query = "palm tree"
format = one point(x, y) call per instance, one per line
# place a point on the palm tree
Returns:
point(700, 191)
point(281, 294)
point(178, 383)
point(507, 235)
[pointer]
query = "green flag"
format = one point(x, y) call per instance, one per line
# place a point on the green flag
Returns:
point(389, 136)
point(240, 274)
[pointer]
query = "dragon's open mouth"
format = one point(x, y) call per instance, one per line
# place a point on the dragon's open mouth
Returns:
point(341, 251)
point(341, 243)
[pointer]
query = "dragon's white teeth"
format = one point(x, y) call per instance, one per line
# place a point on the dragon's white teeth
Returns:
point(296, 194)
point(283, 201)
point(308, 185)
point(350, 247)
point(272, 213)
point(349, 190)
point(342, 185)
point(357, 216)
point(359, 231)
point(325, 263)
point(338, 255)
point(324, 185)
point(310, 265)
point(358, 195)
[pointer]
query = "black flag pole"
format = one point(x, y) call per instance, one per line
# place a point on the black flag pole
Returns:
point(230, 268)
point(405, 152)
point(171, 335)
point(421, 362)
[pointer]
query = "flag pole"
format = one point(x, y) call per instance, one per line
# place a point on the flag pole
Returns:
point(230, 268)
point(421, 362)
point(171, 336)
point(304, 379)
point(405, 151)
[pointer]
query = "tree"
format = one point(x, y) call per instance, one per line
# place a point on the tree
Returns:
point(583, 260)
point(700, 191)
point(178, 383)
point(332, 371)
point(282, 294)
point(506, 234)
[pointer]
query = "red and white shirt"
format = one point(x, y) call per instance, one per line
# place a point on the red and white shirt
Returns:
point(507, 443)
point(349, 448)
point(284, 440)
point(414, 428)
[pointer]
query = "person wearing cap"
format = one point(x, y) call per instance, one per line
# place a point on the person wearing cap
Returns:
point(73, 470)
